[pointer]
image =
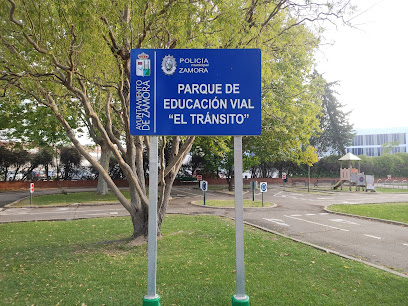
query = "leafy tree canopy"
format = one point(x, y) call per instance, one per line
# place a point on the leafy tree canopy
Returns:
point(336, 131)
point(74, 58)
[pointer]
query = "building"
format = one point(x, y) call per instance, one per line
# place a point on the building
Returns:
point(373, 142)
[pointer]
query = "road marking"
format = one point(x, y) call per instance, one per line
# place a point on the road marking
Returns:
point(310, 214)
point(344, 221)
point(296, 215)
point(340, 229)
point(406, 244)
point(188, 193)
point(371, 236)
point(323, 214)
point(277, 221)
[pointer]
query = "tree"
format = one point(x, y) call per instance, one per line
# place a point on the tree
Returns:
point(6, 158)
point(336, 131)
point(215, 155)
point(75, 55)
point(20, 161)
point(387, 147)
point(70, 159)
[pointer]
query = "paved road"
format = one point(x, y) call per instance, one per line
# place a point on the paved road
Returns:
point(299, 215)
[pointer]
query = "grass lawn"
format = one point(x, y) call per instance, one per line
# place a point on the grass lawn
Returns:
point(70, 198)
point(231, 203)
point(388, 211)
point(390, 190)
point(66, 263)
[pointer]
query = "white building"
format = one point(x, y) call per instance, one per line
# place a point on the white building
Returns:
point(371, 141)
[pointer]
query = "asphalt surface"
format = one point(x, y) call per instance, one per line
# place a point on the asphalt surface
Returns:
point(298, 215)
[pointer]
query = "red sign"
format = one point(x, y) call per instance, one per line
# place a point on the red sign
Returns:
point(284, 176)
point(31, 187)
point(389, 176)
point(199, 177)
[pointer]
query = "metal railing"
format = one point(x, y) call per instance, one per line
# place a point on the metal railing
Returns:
point(395, 184)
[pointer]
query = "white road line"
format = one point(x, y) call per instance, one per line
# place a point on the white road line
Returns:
point(340, 229)
point(296, 215)
point(277, 221)
point(371, 236)
point(406, 244)
point(323, 214)
point(344, 221)
point(310, 215)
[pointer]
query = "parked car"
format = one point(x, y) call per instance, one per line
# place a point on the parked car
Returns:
point(12, 173)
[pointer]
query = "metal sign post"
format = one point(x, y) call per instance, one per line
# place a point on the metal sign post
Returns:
point(240, 298)
point(254, 185)
point(264, 188)
point(199, 178)
point(31, 193)
point(204, 188)
point(152, 299)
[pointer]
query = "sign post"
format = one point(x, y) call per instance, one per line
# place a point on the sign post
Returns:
point(254, 185)
point(284, 177)
point(197, 92)
point(152, 298)
point(240, 298)
point(31, 193)
point(199, 179)
point(204, 188)
point(264, 188)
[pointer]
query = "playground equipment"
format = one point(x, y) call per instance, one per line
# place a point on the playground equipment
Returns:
point(353, 175)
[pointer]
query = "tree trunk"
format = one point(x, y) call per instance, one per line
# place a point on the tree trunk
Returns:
point(46, 167)
point(229, 181)
point(164, 201)
point(102, 187)
point(140, 223)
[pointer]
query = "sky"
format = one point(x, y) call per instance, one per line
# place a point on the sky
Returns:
point(371, 63)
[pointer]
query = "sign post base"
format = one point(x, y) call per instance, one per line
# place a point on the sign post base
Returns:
point(241, 301)
point(151, 301)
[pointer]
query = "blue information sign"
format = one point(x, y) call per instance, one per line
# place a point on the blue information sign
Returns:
point(204, 185)
point(195, 92)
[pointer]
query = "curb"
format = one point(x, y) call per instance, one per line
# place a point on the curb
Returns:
point(9, 206)
point(364, 217)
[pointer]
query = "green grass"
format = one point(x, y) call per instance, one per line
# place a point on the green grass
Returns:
point(388, 211)
point(390, 190)
point(231, 203)
point(71, 198)
point(65, 263)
